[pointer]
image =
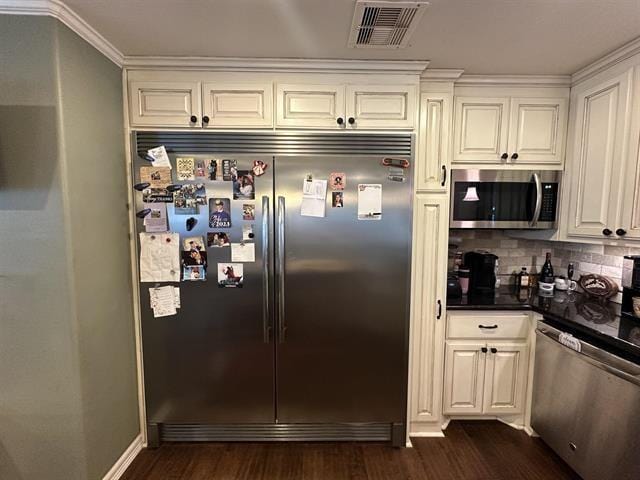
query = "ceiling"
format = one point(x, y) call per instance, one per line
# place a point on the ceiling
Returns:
point(480, 36)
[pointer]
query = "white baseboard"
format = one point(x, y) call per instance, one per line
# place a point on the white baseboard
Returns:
point(125, 459)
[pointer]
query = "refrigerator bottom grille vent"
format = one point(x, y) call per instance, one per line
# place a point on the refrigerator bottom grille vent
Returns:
point(171, 432)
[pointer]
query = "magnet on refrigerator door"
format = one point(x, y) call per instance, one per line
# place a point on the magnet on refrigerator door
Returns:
point(230, 275)
point(247, 232)
point(243, 185)
point(219, 213)
point(218, 239)
point(228, 169)
point(258, 167)
point(248, 211)
point(185, 169)
point(337, 181)
point(191, 273)
point(337, 199)
point(200, 169)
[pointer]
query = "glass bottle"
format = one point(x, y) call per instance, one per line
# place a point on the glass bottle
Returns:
point(546, 275)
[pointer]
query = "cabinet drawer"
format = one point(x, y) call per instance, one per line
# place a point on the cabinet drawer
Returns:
point(479, 325)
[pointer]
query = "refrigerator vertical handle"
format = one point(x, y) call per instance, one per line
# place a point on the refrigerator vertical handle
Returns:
point(282, 328)
point(266, 329)
point(538, 206)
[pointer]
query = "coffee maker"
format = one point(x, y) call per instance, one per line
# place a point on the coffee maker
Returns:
point(482, 278)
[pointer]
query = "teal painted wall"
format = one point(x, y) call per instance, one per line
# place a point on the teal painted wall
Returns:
point(68, 395)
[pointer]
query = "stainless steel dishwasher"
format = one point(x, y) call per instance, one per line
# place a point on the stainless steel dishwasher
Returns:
point(586, 406)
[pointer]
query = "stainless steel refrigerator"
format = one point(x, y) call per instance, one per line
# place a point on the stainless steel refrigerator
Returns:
point(314, 346)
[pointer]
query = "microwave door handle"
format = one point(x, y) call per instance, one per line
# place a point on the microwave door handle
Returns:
point(538, 207)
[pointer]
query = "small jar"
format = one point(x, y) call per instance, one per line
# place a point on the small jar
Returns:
point(463, 277)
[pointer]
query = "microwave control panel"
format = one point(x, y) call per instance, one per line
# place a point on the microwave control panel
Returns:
point(549, 202)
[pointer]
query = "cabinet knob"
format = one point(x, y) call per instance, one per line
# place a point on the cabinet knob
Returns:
point(340, 120)
point(483, 349)
point(606, 232)
point(351, 120)
point(494, 350)
point(205, 119)
point(621, 232)
point(504, 156)
point(193, 119)
point(514, 157)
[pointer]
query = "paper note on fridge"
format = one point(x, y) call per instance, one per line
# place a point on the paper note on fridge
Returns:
point(314, 194)
point(164, 301)
point(243, 252)
point(160, 157)
point(159, 257)
point(156, 221)
point(369, 201)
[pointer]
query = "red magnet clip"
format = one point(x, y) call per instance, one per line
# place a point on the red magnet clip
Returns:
point(395, 162)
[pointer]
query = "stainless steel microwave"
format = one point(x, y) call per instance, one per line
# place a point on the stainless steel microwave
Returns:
point(504, 199)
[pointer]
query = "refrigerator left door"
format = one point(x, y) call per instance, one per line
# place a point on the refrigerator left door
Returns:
point(213, 362)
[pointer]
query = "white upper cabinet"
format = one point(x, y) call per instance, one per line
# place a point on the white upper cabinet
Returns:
point(480, 129)
point(434, 150)
point(174, 104)
point(310, 106)
point(228, 100)
point(537, 130)
point(380, 106)
point(339, 106)
point(629, 224)
point(596, 172)
point(237, 104)
point(509, 130)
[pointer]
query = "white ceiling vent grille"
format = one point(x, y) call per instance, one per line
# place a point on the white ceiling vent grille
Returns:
point(384, 24)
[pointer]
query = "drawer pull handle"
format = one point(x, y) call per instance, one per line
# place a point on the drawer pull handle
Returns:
point(492, 327)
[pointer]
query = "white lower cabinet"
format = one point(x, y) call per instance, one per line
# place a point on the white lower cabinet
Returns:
point(463, 377)
point(484, 378)
point(505, 378)
point(486, 363)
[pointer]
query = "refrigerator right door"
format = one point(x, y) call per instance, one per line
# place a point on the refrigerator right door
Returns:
point(343, 289)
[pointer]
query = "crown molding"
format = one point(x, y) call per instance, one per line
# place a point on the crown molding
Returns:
point(59, 11)
point(514, 80)
point(413, 67)
point(628, 50)
point(441, 74)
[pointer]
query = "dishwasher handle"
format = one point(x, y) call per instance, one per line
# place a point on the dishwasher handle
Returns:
point(596, 356)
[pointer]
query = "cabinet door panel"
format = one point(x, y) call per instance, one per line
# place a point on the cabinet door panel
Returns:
point(480, 129)
point(309, 106)
point(596, 176)
point(381, 106)
point(427, 330)
point(164, 104)
point(537, 130)
point(238, 105)
point(505, 378)
point(463, 377)
point(630, 220)
point(434, 148)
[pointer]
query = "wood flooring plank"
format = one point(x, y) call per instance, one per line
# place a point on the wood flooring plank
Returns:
point(470, 450)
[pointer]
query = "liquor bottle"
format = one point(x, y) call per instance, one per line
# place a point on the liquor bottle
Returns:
point(546, 275)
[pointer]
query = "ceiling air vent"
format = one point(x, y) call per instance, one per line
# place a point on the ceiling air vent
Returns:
point(384, 24)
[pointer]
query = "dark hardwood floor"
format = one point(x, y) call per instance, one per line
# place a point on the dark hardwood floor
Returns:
point(472, 450)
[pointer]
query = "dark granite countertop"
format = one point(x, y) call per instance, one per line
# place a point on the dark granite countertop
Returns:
point(576, 313)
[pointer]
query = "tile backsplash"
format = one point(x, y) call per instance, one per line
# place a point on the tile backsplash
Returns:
point(515, 253)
